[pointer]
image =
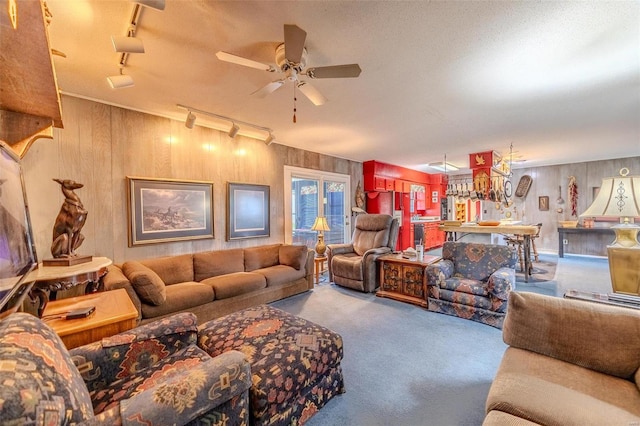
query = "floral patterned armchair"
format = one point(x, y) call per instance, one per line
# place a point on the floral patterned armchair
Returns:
point(154, 374)
point(472, 281)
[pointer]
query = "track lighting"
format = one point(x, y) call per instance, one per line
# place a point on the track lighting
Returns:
point(120, 81)
point(127, 44)
point(234, 130)
point(235, 124)
point(153, 4)
point(269, 139)
point(190, 121)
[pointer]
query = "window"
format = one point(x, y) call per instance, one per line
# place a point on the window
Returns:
point(315, 193)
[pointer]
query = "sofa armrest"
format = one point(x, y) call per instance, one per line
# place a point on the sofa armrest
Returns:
point(501, 282)
point(192, 393)
point(115, 279)
point(439, 271)
point(592, 335)
point(127, 353)
point(333, 249)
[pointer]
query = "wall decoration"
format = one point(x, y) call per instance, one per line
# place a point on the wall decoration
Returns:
point(164, 210)
point(543, 203)
point(247, 211)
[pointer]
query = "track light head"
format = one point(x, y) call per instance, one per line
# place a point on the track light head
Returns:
point(120, 81)
point(154, 4)
point(234, 130)
point(126, 44)
point(190, 121)
point(269, 140)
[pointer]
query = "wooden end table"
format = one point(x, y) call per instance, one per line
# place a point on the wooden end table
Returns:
point(319, 266)
point(405, 279)
point(114, 314)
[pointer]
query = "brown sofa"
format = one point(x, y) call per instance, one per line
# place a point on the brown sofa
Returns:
point(215, 283)
point(569, 362)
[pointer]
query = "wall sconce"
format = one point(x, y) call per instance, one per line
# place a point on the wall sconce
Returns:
point(234, 130)
point(190, 120)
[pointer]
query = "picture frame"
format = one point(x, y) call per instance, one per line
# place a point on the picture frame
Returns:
point(248, 213)
point(166, 210)
point(543, 203)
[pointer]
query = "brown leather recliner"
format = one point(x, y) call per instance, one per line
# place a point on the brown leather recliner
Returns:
point(354, 265)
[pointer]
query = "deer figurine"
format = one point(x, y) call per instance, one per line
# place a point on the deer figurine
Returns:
point(71, 218)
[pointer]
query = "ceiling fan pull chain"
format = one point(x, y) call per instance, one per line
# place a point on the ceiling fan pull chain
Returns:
point(294, 103)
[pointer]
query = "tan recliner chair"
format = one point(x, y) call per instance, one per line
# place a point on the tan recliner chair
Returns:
point(354, 265)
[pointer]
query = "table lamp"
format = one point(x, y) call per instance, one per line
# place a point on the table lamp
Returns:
point(320, 225)
point(620, 197)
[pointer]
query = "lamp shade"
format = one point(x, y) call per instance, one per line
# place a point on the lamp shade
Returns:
point(320, 224)
point(618, 197)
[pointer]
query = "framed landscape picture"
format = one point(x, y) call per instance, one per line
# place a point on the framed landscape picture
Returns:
point(247, 211)
point(164, 210)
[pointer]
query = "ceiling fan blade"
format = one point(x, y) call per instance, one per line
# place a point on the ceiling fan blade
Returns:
point(335, 71)
point(294, 38)
point(239, 60)
point(269, 88)
point(312, 93)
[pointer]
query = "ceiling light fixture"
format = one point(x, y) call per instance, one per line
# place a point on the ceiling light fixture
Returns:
point(443, 166)
point(153, 4)
point(127, 44)
point(235, 123)
point(234, 130)
point(120, 81)
point(190, 120)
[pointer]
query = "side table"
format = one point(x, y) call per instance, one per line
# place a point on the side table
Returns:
point(319, 266)
point(114, 314)
point(405, 279)
point(54, 278)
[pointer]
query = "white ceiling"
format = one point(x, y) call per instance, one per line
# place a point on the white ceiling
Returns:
point(559, 80)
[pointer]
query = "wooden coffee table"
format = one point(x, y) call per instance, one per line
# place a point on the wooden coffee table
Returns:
point(405, 279)
point(114, 314)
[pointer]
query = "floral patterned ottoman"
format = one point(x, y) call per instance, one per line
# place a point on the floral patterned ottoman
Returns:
point(295, 364)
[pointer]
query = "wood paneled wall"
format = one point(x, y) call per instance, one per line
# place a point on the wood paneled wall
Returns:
point(100, 145)
point(553, 181)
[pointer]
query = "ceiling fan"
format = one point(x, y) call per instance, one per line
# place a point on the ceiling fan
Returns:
point(291, 59)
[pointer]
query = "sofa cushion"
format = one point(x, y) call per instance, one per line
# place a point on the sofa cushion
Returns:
point(180, 297)
point(215, 263)
point(261, 257)
point(499, 418)
point(39, 383)
point(280, 274)
point(293, 255)
point(147, 284)
point(600, 337)
point(549, 391)
point(172, 269)
point(235, 284)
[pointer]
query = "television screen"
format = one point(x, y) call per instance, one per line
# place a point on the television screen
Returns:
point(17, 252)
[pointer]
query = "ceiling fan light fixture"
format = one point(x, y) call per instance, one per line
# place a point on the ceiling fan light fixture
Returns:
point(153, 4)
point(126, 44)
point(120, 81)
point(233, 131)
point(190, 120)
point(269, 140)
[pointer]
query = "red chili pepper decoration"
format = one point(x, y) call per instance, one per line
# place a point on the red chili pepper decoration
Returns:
point(573, 195)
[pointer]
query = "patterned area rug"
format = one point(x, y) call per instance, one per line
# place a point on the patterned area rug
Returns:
point(543, 270)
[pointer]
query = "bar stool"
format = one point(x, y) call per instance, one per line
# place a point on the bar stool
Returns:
point(517, 241)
